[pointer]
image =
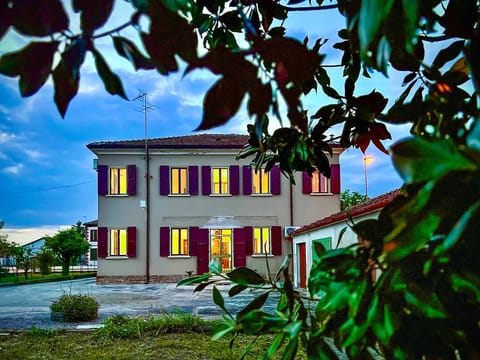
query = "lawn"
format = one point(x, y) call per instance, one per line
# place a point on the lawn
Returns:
point(87, 345)
point(19, 279)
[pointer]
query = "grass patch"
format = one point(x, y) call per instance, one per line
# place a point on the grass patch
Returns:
point(122, 327)
point(76, 307)
point(59, 345)
point(13, 279)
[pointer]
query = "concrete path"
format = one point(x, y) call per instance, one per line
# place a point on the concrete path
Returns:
point(24, 306)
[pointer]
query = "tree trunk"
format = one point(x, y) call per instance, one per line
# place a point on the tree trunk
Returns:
point(65, 266)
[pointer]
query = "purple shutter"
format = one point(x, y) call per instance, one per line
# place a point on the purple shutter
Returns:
point(247, 180)
point(192, 243)
point(335, 178)
point(131, 241)
point(276, 240)
point(102, 173)
point(164, 180)
point(234, 180)
point(164, 241)
point(102, 242)
point(239, 250)
point(206, 182)
point(248, 240)
point(306, 183)
point(202, 251)
point(193, 180)
point(131, 179)
point(275, 180)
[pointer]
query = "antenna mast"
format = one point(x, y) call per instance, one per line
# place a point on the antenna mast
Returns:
point(144, 108)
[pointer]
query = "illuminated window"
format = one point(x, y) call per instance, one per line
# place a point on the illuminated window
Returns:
point(179, 242)
point(261, 182)
point(118, 242)
point(261, 240)
point(118, 181)
point(220, 181)
point(179, 183)
point(320, 183)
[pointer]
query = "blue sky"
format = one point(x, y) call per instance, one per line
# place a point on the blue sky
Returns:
point(46, 170)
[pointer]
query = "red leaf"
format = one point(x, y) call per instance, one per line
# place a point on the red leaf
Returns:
point(95, 13)
point(65, 81)
point(362, 141)
point(221, 103)
point(260, 98)
point(379, 132)
point(39, 17)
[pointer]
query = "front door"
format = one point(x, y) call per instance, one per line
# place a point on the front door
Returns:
point(221, 247)
point(302, 265)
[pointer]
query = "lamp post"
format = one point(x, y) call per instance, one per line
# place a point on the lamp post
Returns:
point(366, 159)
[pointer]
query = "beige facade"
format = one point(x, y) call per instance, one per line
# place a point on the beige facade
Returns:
point(202, 222)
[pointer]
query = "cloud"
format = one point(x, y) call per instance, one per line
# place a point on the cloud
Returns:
point(14, 169)
point(34, 154)
point(26, 235)
point(5, 138)
point(3, 156)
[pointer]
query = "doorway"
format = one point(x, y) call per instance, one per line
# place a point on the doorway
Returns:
point(221, 247)
point(302, 265)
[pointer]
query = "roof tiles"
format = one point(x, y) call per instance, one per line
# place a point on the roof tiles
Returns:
point(368, 206)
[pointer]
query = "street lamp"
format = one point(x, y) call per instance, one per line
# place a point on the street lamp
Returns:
point(366, 160)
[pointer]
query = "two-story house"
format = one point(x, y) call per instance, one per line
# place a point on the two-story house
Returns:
point(168, 206)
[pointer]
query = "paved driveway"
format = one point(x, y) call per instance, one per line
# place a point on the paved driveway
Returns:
point(24, 306)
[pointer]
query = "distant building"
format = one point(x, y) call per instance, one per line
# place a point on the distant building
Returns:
point(91, 235)
point(327, 231)
point(168, 207)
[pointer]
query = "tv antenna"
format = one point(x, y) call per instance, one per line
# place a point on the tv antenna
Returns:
point(145, 107)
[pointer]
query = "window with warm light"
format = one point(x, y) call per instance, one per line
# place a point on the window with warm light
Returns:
point(220, 181)
point(320, 183)
point(261, 240)
point(118, 181)
point(118, 242)
point(179, 242)
point(179, 182)
point(260, 182)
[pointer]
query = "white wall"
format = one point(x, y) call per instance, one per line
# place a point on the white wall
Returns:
point(332, 231)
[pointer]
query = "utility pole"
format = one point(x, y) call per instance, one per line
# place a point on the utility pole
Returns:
point(144, 108)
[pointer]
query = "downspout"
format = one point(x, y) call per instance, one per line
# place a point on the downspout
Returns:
point(147, 183)
point(291, 204)
point(147, 266)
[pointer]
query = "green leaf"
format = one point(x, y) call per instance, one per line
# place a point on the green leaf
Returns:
point(215, 267)
point(274, 346)
point(111, 81)
point(237, 289)
point(472, 214)
point(318, 349)
point(219, 301)
point(193, 280)
point(468, 283)
point(245, 276)
point(128, 50)
point(291, 349)
point(255, 304)
point(411, 16)
point(418, 159)
point(39, 17)
point(282, 267)
point(372, 15)
point(223, 329)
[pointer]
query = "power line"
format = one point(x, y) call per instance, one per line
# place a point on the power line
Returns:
point(47, 189)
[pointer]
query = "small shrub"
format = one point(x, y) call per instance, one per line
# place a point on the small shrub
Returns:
point(39, 332)
point(76, 307)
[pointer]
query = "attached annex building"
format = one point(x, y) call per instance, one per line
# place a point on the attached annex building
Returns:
point(168, 206)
